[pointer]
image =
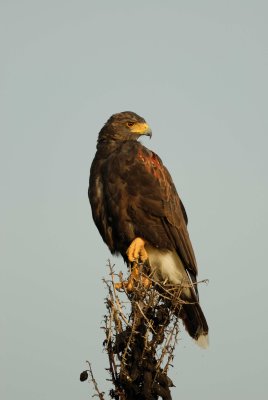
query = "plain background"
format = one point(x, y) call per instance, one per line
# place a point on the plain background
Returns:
point(197, 72)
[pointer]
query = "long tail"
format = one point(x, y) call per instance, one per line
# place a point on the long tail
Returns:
point(195, 323)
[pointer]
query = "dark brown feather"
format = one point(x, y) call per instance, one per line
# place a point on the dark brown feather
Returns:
point(132, 194)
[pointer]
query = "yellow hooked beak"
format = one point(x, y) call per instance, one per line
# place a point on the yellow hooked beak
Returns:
point(141, 128)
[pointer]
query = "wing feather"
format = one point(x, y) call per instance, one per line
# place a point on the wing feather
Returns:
point(154, 205)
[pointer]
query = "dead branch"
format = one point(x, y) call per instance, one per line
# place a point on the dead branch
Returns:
point(84, 376)
point(141, 331)
point(141, 346)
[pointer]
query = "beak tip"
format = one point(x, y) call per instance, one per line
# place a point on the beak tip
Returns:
point(149, 133)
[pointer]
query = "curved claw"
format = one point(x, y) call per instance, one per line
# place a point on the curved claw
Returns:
point(135, 277)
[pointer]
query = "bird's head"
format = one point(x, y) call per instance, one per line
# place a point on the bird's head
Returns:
point(124, 126)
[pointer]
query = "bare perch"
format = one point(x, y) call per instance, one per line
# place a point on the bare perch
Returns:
point(141, 333)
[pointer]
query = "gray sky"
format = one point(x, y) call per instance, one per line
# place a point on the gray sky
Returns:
point(197, 72)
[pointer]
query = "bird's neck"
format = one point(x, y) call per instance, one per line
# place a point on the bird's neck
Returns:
point(109, 144)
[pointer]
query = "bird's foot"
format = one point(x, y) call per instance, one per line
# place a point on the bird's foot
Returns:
point(136, 254)
point(136, 251)
point(135, 277)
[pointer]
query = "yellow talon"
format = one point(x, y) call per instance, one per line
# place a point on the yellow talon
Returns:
point(134, 278)
point(136, 250)
point(135, 253)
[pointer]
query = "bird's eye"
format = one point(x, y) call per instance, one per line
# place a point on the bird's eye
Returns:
point(130, 123)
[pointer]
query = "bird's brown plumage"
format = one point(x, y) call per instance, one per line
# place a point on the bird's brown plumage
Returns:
point(132, 195)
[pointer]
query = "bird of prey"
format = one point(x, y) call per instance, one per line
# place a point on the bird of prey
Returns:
point(139, 214)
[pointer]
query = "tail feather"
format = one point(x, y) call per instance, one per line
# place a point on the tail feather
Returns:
point(195, 323)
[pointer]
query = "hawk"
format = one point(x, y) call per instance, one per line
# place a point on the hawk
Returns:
point(139, 214)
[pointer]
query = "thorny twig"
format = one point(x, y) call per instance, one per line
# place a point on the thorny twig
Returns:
point(93, 380)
